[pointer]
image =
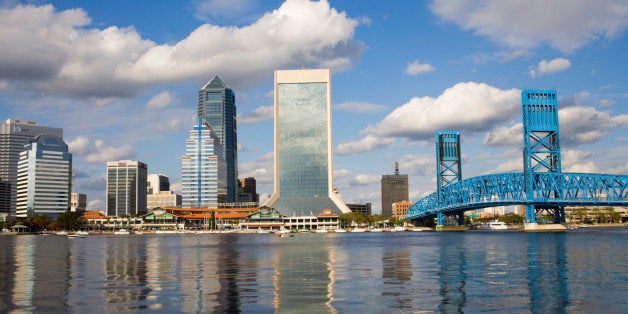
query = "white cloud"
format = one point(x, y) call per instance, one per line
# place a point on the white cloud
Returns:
point(161, 100)
point(364, 179)
point(513, 165)
point(509, 56)
point(261, 113)
point(565, 25)
point(465, 106)
point(582, 125)
point(110, 153)
point(578, 161)
point(605, 102)
point(503, 136)
point(79, 145)
point(55, 51)
point(95, 204)
point(366, 144)
point(549, 67)
point(214, 9)
point(360, 107)
point(417, 67)
point(421, 165)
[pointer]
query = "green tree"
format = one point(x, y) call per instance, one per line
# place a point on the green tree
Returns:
point(70, 220)
point(39, 222)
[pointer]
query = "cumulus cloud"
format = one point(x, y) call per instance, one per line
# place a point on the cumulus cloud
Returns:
point(503, 136)
point(97, 152)
point(565, 25)
point(417, 67)
point(583, 125)
point(605, 102)
point(161, 100)
point(360, 107)
point(549, 67)
point(364, 179)
point(366, 144)
point(578, 161)
point(513, 165)
point(422, 165)
point(57, 52)
point(261, 113)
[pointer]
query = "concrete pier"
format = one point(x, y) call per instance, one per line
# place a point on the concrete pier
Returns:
point(535, 227)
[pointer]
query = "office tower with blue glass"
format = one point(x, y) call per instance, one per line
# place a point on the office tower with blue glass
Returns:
point(303, 144)
point(44, 176)
point(14, 134)
point(204, 171)
point(216, 104)
point(126, 188)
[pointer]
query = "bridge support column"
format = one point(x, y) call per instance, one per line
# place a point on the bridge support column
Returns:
point(440, 219)
point(461, 219)
point(530, 214)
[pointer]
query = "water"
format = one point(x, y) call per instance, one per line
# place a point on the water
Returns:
point(581, 271)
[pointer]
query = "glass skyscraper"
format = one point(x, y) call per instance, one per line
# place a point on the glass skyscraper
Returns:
point(14, 134)
point(303, 145)
point(203, 168)
point(216, 104)
point(44, 176)
point(126, 188)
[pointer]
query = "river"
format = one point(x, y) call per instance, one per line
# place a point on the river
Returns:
point(584, 270)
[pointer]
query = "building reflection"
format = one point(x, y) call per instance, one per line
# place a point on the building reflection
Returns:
point(452, 275)
point(397, 275)
point(547, 273)
point(125, 271)
point(7, 272)
point(304, 276)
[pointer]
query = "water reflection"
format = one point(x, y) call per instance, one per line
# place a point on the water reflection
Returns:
point(452, 274)
point(547, 273)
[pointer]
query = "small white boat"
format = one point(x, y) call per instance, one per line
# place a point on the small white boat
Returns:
point(81, 232)
point(286, 235)
point(357, 230)
point(397, 229)
point(493, 225)
point(339, 230)
point(62, 232)
point(72, 236)
point(375, 230)
point(121, 231)
point(320, 230)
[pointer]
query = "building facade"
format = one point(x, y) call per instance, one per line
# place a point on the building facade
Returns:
point(14, 134)
point(394, 189)
point(216, 104)
point(400, 209)
point(78, 202)
point(157, 183)
point(163, 199)
point(44, 176)
point(303, 144)
point(248, 190)
point(126, 188)
point(364, 209)
point(204, 171)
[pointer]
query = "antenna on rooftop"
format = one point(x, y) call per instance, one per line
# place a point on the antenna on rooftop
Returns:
point(396, 168)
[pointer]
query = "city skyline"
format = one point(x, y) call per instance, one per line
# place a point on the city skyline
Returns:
point(401, 72)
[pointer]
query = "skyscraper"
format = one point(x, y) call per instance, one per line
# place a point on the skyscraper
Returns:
point(126, 188)
point(216, 104)
point(157, 183)
point(14, 134)
point(203, 168)
point(394, 189)
point(44, 175)
point(303, 144)
point(248, 190)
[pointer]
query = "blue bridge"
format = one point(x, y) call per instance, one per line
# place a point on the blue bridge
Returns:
point(542, 187)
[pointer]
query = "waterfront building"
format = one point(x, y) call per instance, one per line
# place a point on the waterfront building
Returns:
point(44, 175)
point(400, 209)
point(364, 209)
point(394, 189)
point(204, 172)
point(157, 183)
point(126, 188)
point(248, 190)
point(303, 144)
point(78, 201)
point(163, 199)
point(216, 104)
point(14, 134)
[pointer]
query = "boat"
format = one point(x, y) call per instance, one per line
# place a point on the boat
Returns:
point(493, 225)
point(323, 230)
point(375, 230)
point(283, 232)
point(81, 232)
point(339, 230)
point(62, 232)
point(357, 230)
point(397, 229)
point(286, 235)
point(121, 231)
point(76, 235)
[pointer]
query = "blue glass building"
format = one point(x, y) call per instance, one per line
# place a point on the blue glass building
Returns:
point(216, 104)
point(44, 176)
point(203, 168)
point(303, 146)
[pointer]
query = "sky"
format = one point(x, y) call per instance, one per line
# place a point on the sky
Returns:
point(122, 78)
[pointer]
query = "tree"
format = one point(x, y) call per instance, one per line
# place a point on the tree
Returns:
point(39, 222)
point(70, 220)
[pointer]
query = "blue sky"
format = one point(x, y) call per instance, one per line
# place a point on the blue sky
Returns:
point(121, 78)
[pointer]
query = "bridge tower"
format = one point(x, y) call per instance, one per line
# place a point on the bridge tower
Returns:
point(541, 147)
point(448, 166)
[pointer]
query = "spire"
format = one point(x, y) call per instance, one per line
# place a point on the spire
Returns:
point(396, 168)
point(216, 82)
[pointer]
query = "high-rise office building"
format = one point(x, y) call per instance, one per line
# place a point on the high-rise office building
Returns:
point(44, 175)
point(303, 144)
point(157, 183)
point(216, 104)
point(248, 190)
point(126, 188)
point(203, 168)
point(78, 201)
point(14, 134)
point(394, 189)
point(364, 209)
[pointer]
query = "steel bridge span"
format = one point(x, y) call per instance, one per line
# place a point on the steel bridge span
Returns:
point(542, 186)
point(502, 189)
